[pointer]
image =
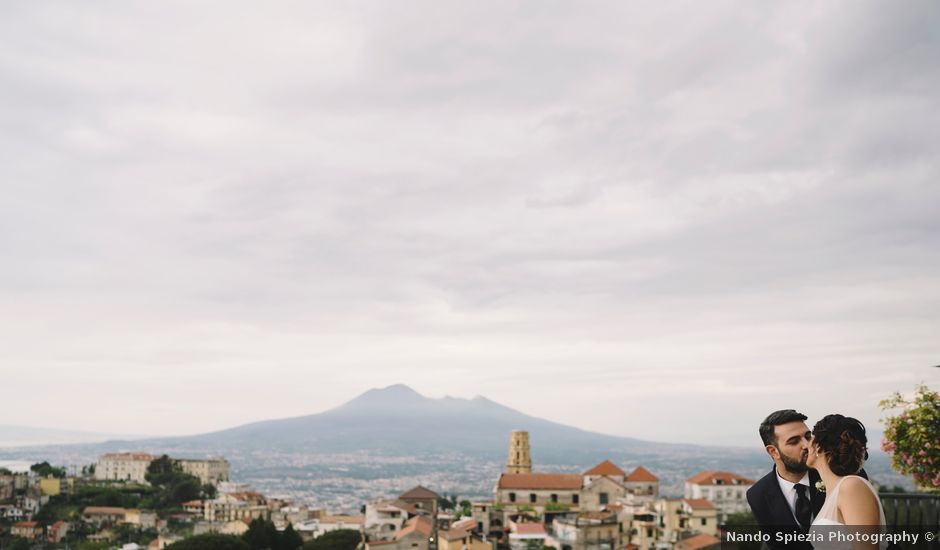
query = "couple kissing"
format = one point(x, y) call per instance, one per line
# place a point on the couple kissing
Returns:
point(817, 483)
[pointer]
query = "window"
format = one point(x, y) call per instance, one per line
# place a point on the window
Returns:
point(603, 497)
point(574, 499)
point(512, 497)
point(649, 532)
point(704, 521)
point(532, 497)
point(554, 497)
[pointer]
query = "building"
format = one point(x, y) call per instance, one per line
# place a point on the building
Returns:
point(6, 486)
point(384, 518)
point(536, 490)
point(123, 467)
point(141, 518)
point(103, 515)
point(594, 490)
point(521, 535)
point(726, 490)
point(642, 483)
point(589, 531)
point(29, 530)
point(236, 506)
point(680, 518)
point(415, 535)
point(460, 536)
point(421, 498)
point(195, 507)
point(313, 528)
point(209, 470)
point(52, 486)
point(57, 532)
point(520, 461)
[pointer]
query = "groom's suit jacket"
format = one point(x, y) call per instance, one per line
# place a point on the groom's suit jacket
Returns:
point(772, 512)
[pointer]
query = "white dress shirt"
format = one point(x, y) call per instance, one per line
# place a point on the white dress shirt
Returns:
point(789, 493)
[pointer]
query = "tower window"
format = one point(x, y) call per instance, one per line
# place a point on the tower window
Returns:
point(531, 497)
point(512, 497)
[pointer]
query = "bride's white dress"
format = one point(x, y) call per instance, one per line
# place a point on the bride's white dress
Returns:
point(827, 520)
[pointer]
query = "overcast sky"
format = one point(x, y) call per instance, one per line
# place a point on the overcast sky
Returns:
point(652, 220)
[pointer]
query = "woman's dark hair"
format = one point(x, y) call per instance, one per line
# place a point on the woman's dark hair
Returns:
point(843, 440)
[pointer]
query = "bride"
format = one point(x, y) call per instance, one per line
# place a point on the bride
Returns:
point(838, 453)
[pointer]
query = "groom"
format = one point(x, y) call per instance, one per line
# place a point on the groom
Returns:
point(786, 499)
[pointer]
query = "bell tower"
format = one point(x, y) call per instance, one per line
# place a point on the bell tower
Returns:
point(519, 460)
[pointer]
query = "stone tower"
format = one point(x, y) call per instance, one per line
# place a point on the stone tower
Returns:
point(519, 460)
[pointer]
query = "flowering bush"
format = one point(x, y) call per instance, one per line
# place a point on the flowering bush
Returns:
point(912, 436)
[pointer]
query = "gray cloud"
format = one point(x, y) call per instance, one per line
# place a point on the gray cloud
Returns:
point(605, 207)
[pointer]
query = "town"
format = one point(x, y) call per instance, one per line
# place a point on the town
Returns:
point(135, 500)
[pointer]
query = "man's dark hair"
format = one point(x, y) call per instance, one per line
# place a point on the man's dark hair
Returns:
point(777, 418)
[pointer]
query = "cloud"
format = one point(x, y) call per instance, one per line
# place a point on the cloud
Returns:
point(605, 206)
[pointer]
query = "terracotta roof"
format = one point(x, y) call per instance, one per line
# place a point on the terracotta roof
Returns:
point(539, 481)
point(529, 529)
point(606, 468)
point(104, 510)
point(455, 534)
point(641, 474)
point(466, 523)
point(25, 524)
point(719, 478)
point(696, 542)
point(421, 524)
point(193, 503)
point(419, 492)
point(699, 503)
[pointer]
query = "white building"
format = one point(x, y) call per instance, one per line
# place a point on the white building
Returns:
point(726, 490)
point(123, 467)
point(209, 470)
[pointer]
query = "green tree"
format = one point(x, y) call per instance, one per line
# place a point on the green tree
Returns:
point(19, 543)
point(340, 539)
point(210, 541)
point(94, 545)
point(912, 436)
point(44, 469)
point(289, 539)
point(209, 491)
point(260, 535)
point(162, 471)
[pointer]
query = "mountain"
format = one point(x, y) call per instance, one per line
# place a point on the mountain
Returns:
point(394, 438)
point(398, 421)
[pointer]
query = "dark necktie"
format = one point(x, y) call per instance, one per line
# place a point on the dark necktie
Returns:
point(803, 510)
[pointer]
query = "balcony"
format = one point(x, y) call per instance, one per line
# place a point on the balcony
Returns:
point(916, 512)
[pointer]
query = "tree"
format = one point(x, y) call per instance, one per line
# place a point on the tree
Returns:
point(260, 535)
point(210, 541)
point(209, 491)
point(289, 539)
point(44, 469)
point(912, 436)
point(162, 471)
point(19, 543)
point(340, 539)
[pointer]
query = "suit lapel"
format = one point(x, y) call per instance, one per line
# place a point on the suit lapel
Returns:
point(816, 498)
point(778, 504)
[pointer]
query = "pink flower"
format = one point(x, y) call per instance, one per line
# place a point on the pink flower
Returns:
point(927, 445)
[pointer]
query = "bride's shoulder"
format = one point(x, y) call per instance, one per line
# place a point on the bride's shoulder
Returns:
point(855, 486)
